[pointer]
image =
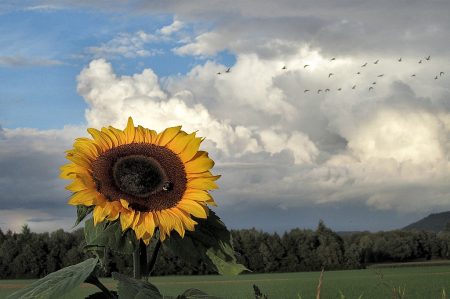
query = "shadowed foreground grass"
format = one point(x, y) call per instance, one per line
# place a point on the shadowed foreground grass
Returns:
point(418, 282)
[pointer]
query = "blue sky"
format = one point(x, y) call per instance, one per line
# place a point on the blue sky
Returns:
point(361, 147)
point(52, 45)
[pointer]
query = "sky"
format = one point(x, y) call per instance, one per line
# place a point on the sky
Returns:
point(332, 110)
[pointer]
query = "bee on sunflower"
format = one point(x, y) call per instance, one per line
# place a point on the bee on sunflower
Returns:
point(147, 180)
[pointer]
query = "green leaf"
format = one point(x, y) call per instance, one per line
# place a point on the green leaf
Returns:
point(109, 234)
point(58, 283)
point(82, 212)
point(130, 288)
point(195, 294)
point(224, 266)
point(210, 242)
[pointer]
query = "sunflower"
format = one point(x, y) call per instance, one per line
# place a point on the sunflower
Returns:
point(145, 179)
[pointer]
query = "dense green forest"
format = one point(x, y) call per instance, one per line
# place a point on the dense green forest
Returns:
point(32, 255)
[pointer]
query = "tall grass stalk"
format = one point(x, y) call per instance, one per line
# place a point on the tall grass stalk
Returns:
point(319, 286)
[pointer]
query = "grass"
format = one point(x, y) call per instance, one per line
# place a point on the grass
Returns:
point(401, 282)
point(412, 264)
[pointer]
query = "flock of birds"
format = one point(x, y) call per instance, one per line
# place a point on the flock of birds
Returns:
point(371, 87)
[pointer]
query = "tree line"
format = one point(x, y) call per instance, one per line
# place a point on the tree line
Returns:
point(32, 255)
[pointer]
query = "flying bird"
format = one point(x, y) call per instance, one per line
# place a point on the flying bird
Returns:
point(330, 74)
point(218, 73)
point(332, 59)
point(358, 73)
point(284, 67)
point(305, 66)
point(420, 61)
point(428, 58)
point(376, 62)
point(441, 73)
point(374, 83)
point(400, 59)
point(228, 70)
point(381, 75)
point(318, 91)
point(327, 90)
point(413, 75)
point(339, 89)
point(370, 88)
point(306, 90)
point(435, 78)
point(364, 64)
point(354, 86)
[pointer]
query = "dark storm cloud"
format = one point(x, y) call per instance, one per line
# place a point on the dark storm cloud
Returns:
point(30, 188)
point(340, 217)
point(31, 180)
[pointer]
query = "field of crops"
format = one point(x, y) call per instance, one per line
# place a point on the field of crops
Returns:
point(419, 282)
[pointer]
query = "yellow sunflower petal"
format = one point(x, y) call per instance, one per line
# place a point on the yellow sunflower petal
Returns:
point(88, 141)
point(108, 132)
point(115, 211)
point(197, 195)
point(202, 184)
point(120, 135)
point(76, 185)
point(139, 135)
point(101, 139)
point(98, 214)
point(107, 208)
point(149, 223)
point(165, 225)
point(130, 131)
point(179, 143)
point(140, 227)
point(71, 170)
point(137, 218)
point(178, 223)
point(79, 160)
point(167, 135)
point(194, 208)
point(188, 222)
point(150, 136)
point(124, 203)
point(81, 182)
point(86, 148)
point(200, 163)
point(99, 199)
point(205, 174)
point(190, 150)
point(87, 180)
point(85, 197)
point(126, 218)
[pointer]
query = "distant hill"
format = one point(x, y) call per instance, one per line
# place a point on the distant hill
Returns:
point(433, 222)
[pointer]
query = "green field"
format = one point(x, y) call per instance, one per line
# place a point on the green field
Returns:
point(420, 282)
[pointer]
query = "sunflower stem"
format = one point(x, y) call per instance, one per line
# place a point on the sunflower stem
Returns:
point(152, 262)
point(140, 260)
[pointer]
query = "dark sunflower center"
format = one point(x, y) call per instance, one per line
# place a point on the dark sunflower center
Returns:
point(148, 176)
point(138, 175)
